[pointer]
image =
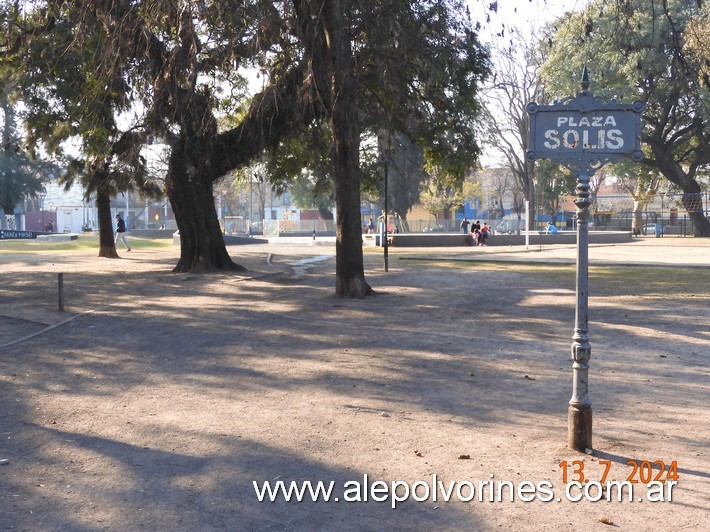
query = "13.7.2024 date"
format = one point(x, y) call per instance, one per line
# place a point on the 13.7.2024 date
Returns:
point(641, 472)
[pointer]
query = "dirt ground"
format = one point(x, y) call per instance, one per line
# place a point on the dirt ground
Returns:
point(156, 400)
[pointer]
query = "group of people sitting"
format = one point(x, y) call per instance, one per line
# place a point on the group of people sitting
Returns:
point(369, 228)
point(479, 232)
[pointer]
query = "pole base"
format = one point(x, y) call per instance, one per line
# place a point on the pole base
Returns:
point(579, 428)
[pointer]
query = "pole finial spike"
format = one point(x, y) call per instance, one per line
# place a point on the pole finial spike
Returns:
point(585, 80)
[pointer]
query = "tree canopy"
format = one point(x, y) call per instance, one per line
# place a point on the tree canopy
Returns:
point(410, 67)
point(506, 123)
point(635, 51)
point(20, 176)
point(68, 94)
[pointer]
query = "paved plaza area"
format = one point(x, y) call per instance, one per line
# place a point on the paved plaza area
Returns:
point(161, 401)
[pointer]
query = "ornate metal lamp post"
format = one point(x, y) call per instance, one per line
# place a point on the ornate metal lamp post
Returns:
point(583, 133)
point(579, 413)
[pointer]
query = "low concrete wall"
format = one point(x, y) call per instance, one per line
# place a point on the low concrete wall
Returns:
point(306, 233)
point(58, 237)
point(460, 239)
point(229, 240)
point(232, 240)
point(152, 233)
point(423, 240)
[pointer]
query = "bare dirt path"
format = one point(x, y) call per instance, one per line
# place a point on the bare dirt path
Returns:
point(156, 400)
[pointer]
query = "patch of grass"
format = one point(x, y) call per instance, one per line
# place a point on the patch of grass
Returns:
point(492, 266)
point(641, 281)
point(83, 244)
point(652, 281)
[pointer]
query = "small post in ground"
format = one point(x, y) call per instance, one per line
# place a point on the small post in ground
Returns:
point(60, 291)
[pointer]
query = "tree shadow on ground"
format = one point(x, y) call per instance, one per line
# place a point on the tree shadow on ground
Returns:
point(196, 491)
point(477, 349)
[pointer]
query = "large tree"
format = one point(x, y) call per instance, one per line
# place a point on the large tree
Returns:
point(327, 42)
point(635, 51)
point(178, 56)
point(413, 72)
point(415, 69)
point(697, 41)
point(321, 56)
point(69, 96)
point(506, 123)
point(303, 166)
point(417, 78)
point(318, 71)
point(421, 80)
point(641, 182)
point(406, 173)
point(20, 176)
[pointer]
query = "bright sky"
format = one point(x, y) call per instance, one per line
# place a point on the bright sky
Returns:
point(524, 15)
point(519, 13)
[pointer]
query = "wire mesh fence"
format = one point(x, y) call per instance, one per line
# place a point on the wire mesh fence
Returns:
point(651, 215)
point(667, 213)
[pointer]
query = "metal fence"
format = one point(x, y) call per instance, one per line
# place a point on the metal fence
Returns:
point(667, 213)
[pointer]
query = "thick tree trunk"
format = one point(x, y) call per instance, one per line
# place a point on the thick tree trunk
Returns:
point(676, 174)
point(692, 202)
point(325, 213)
point(202, 245)
point(107, 245)
point(637, 219)
point(349, 268)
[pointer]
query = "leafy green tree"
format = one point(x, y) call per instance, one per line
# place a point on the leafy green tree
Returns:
point(20, 177)
point(306, 195)
point(405, 173)
point(178, 57)
point(697, 41)
point(416, 78)
point(554, 181)
point(70, 96)
point(637, 53)
point(303, 165)
point(506, 123)
point(400, 67)
point(420, 86)
point(440, 198)
point(416, 74)
point(641, 182)
point(321, 57)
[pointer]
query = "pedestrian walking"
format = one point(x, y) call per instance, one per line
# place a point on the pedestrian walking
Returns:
point(121, 232)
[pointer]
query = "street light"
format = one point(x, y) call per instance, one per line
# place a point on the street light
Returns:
point(385, 243)
point(41, 207)
point(251, 201)
point(314, 218)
